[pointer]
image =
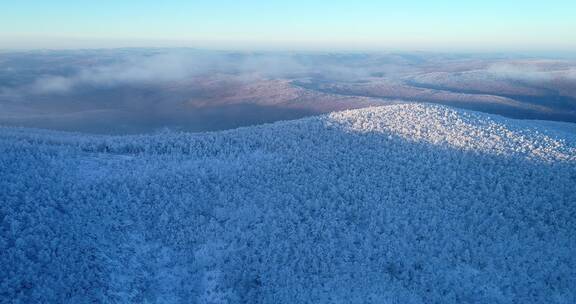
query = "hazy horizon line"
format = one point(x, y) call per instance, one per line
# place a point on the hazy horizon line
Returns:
point(276, 49)
point(17, 42)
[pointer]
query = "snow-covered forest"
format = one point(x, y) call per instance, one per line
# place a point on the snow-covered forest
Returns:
point(408, 203)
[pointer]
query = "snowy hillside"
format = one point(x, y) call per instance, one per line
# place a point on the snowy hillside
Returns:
point(408, 203)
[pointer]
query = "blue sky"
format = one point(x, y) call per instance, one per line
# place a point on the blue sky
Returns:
point(296, 24)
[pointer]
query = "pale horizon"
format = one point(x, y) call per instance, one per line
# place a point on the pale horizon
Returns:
point(416, 25)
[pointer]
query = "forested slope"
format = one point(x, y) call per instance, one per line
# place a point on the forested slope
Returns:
point(407, 203)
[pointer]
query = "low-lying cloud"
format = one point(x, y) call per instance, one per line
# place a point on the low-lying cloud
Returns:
point(148, 69)
point(174, 66)
point(531, 72)
point(53, 84)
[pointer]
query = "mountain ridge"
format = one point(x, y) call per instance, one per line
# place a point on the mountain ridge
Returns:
point(406, 203)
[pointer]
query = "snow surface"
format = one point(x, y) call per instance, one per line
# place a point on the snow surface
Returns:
point(406, 203)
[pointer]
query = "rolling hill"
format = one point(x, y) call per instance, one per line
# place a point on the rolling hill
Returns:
point(405, 203)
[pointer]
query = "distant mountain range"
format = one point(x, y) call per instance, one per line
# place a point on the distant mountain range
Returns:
point(129, 91)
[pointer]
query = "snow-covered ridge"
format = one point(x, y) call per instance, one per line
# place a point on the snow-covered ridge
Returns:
point(468, 130)
point(406, 203)
point(438, 125)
